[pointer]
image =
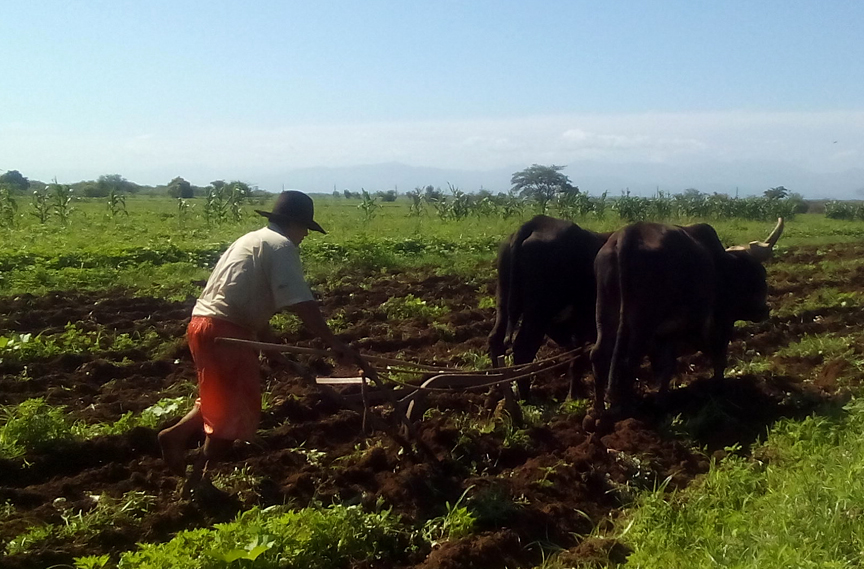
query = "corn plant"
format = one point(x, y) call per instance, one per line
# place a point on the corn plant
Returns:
point(485, 206)
point(439, 203)
point(183, 209)
point(660, 207)
point(512, 205)
point(116, 204)
point(41, 205)
point(369, 206)
point(417, 207)
point(224, 202)
point(63, 197)
point(215, 206)
point(237, 194)
point(8, 208)
point(459, 206)
point(572, 205)
point(631, 208)
point(600, 204)
point(844, 210)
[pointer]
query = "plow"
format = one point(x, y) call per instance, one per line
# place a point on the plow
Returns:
point(402, 386)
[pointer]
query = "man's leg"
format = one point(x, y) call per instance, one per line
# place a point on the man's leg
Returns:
point(214, 450)
point(173, 440)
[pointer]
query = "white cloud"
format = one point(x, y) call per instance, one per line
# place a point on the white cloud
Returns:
point(803, 139)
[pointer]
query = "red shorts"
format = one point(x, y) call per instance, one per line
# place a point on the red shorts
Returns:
point(229, 383)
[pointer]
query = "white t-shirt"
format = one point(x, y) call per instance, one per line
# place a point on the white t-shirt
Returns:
point(257, 276)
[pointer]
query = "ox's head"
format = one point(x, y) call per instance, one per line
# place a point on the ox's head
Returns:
point(747, 291)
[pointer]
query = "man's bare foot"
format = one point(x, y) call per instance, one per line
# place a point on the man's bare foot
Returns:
point(173, 452)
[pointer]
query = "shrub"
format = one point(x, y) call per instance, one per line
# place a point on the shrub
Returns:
point(32, 425)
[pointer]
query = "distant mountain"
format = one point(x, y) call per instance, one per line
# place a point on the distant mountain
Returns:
point(388, 176)
point(746, 178)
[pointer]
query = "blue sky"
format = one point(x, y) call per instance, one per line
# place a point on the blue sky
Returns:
point(211, 90)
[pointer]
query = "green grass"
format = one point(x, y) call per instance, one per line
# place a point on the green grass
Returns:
point(76, 340)
point(797, 503)
point(310, 537)
point(410, 306)
point(36, 426)
point(108, 513)
point(150, 252)
point(822, 345)
point(32, 425)
point(827, 297)
point(457, 523)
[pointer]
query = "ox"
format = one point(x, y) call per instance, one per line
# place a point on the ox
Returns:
point(667, 290)
point(546, 281)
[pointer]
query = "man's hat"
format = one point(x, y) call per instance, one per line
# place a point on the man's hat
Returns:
point(295, 206)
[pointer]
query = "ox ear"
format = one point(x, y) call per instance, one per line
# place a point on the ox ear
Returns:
point(762, 250)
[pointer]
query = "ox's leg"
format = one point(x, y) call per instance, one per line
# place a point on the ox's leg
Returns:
point(718, 346)
point(601, 357)
point(577, 386)
point(719, 359)
point(563, 336)
point(663, 363)
point(631, 346)
point(496, 338)
point(525, 346)
point(602, 354)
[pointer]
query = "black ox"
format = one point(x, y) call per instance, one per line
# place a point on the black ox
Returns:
point(546, 287)
point(668, 290)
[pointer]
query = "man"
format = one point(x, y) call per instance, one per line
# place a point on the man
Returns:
point(257, 276)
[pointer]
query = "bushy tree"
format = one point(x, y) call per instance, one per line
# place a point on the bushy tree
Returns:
point(16, 182)
point(180, 188)
point(777, 193)
point(388, 196)
point(542, 184)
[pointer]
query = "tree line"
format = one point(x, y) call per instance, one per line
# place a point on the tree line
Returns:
point(107, 185)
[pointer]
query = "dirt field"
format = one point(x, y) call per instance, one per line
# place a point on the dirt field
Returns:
point(560, 485)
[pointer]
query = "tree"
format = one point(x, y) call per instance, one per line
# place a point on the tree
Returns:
point(777, 193)
point(542, 184)
point(388, 196)
point(180, 188)
point(15, 181)
point(693, 194)
point(116, 182)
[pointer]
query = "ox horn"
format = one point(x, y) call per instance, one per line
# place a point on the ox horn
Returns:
point(762, 250)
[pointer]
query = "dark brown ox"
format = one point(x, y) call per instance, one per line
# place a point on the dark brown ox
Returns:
point(545, 288)
point(666, 290)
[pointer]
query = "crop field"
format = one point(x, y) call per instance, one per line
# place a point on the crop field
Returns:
point(762, 469)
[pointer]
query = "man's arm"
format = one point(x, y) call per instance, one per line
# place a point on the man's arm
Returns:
point(314, 321)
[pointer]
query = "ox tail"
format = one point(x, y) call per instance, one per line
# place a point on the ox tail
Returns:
point(499, 338)
point(618, 362)
point(514, 289)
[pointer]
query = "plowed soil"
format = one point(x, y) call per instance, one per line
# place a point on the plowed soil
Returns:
point(555, 487)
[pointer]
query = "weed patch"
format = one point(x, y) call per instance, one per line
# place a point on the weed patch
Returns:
point(313, 538)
